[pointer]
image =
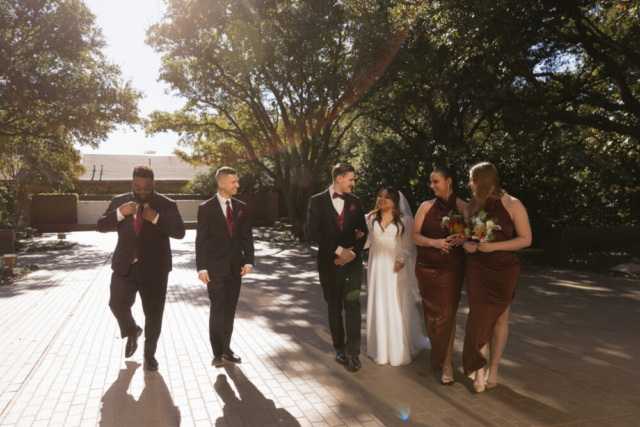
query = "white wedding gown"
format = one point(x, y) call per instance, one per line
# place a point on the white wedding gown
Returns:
point(394, 327)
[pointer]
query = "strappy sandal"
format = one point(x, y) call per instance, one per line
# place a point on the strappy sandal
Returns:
point(446, 379)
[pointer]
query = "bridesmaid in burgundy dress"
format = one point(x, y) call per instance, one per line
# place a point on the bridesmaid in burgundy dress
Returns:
point(493, 270)
point(440, 268)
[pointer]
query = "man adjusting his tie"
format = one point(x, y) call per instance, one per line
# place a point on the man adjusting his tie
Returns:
point(142, 260)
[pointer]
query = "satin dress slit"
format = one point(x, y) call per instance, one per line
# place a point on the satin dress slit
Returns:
point(491, 279)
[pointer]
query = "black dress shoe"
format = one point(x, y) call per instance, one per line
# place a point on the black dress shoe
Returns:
point(217, 362)
point(354, 363)
point(132, 343)
point(150, 363)
point(341, 357)
point(230, 356)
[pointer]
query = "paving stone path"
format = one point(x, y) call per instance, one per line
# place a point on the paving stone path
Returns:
point(572, 356)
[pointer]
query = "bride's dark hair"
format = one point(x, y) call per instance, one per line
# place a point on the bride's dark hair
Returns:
point(394, 195)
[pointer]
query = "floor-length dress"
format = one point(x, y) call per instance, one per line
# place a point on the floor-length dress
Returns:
point(440, 277)
point(491, 279)
point(394, 327)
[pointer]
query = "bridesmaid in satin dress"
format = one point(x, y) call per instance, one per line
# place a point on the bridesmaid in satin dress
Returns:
point(492, 273)
point(440, 267)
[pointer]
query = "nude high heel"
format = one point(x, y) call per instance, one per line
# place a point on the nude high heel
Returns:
point(479, 388)
point(490, 384)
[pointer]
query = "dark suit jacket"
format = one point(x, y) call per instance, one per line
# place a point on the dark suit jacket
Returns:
point(216, 252)
point(152, 245)
point(324, 229)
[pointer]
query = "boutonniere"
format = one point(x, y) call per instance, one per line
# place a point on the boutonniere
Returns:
point(162, 214)
point(353, 207)
point(240, 214)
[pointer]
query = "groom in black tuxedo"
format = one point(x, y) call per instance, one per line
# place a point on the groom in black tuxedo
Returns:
point(224, 254)
point(334, 217)
point(145, 221)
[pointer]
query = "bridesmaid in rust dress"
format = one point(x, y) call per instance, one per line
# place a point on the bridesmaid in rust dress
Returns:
point(440, 268)
point(492, 273)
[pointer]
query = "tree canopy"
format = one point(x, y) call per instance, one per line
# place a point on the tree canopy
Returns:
point(546, 90)
point(271, 82)
point(56, 88)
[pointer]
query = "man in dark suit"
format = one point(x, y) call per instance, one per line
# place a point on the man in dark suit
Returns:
point(334, 217)
point(141, 262)
point(224, 254)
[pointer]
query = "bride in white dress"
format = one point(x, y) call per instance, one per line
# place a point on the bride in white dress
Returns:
point(394, 327)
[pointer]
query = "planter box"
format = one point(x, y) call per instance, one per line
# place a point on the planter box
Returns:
point(54, 209)
point(7, 241)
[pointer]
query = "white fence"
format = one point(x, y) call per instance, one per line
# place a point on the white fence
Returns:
point(90, 211)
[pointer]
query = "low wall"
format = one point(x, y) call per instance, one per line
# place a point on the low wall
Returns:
point(119, 187)
point(263, 209)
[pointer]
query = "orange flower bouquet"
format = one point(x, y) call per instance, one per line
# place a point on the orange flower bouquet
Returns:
point(453, 224)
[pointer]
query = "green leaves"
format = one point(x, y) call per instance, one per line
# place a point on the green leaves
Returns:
point(273, 83)
point(56, 90)
point(54, 79)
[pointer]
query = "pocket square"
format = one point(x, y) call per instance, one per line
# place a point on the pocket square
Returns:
point(240, 214)
point(353, 208)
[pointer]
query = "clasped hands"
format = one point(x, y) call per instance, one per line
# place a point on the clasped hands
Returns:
point(450, 242)
point(130, 208)
point(350, 256)
point(346, 255)
point(471, 247)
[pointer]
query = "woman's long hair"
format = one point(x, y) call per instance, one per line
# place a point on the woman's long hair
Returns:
point(486, 186)
point(376, 214)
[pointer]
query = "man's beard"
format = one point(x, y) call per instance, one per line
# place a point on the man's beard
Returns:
point(139, 199)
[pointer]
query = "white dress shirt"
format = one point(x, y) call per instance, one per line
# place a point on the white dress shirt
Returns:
point(338, 205)
point(135, 214)
point(223, 205)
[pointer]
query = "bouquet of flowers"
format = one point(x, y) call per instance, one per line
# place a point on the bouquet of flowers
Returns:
point(482, 228)
point(453, 224)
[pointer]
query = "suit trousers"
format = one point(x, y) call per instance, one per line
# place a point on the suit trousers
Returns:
point(341, 288)
point(153, 293)
point(223, 294)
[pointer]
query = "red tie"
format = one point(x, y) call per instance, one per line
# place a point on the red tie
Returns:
point(137, 226)
point(229, 219)
point(338, 196)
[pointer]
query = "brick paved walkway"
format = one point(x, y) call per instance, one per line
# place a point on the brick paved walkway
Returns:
point(571, 358)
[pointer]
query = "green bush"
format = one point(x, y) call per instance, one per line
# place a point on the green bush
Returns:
point(10, 216)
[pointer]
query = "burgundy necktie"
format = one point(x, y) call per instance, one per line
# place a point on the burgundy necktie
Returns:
point(338, 196)
point(137, 226)
point(229, 219)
